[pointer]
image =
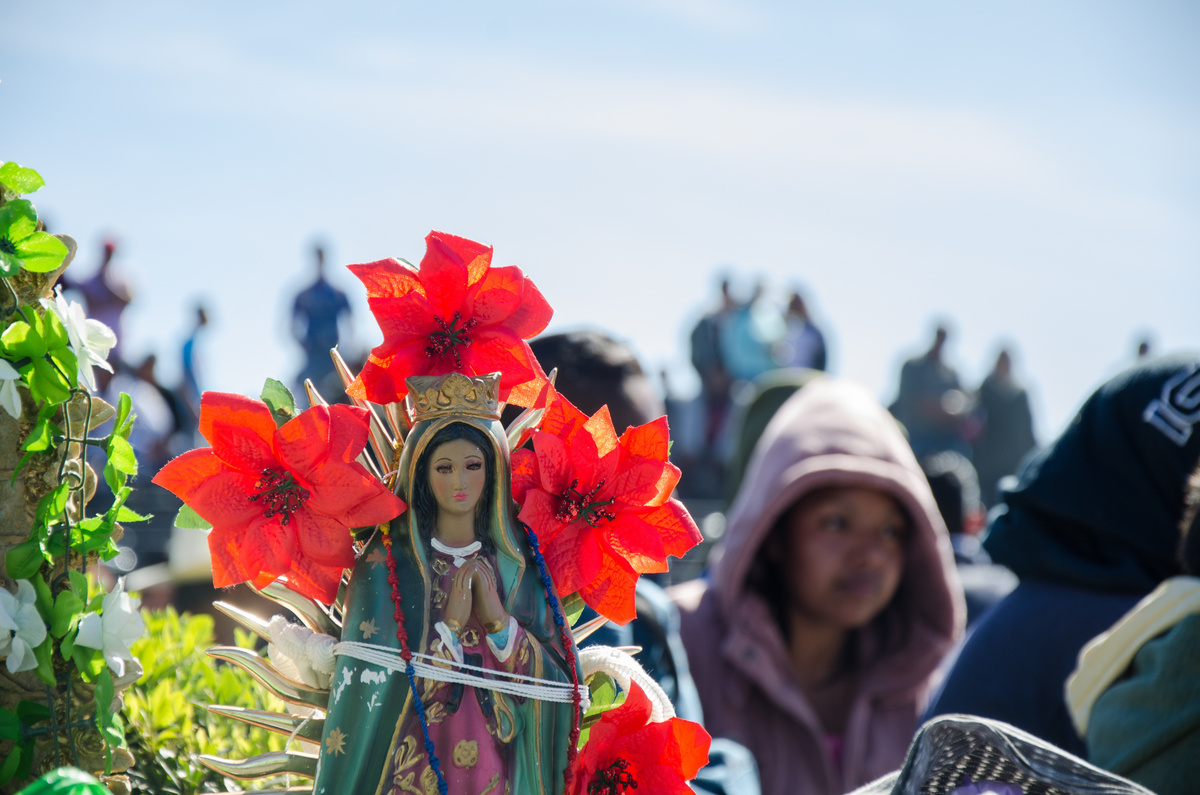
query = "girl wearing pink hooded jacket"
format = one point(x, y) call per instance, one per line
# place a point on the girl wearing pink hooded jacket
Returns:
point(831, 601)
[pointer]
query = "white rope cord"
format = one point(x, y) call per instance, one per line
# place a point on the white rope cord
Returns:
point(623, 668)
point(459, 673)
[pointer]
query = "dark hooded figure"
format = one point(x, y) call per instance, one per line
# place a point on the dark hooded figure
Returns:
point(1091, 528)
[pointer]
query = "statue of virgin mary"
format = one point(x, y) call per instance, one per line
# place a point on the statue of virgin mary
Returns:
point(491, 697)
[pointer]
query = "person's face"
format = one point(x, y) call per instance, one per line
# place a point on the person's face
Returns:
point(457, 476)
point(844, 555)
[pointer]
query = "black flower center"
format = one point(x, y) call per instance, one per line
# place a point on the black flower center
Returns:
point(613, 780)
point(450, 337)
point(574, 505)
point(7, 246)
point(279, 493)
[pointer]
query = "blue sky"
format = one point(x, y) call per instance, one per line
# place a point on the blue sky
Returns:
point(1028, 170)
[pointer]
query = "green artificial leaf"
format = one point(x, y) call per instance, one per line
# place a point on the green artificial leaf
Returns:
point(280, 400)
point(54, 332)
point(129, 515)
point(31, 712)
point(18, 220)
point(51, 507)
point(66, 646)
point(19, 179)
point(187, 519)
point(89, 662)
point(121, 455)
point(41, 252)
point(124, 407)
point(104, 697)
point(47, 382)
point(45, 667)
point(45, 600)
point(67, 606)
point(26, 765)
point(79, 583)
point(22, 340)
point(45, 435)
point(24, 560)
point(10, 725)
point(9, 768)
point(572, 607)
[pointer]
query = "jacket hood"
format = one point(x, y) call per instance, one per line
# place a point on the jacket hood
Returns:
point(833, 433)
point(1100, 507)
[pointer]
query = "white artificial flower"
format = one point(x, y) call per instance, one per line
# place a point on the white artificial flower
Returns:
point(118, 625)
point(91, 340)
point(9, 398)
point(21, 627)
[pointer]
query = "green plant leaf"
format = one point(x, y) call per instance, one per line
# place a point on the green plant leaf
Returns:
point(573, 606)
point(128, 515)
point(121, 455)
point(104, 697)
point(45, 667)
point(188, 519)
point(45, 600)
point(67, 646)
point(24, 560)
point(41, 252)
point(9, 768)
point(18, 220)
point(10, 725)
point(22, 340)
point(280, 400)
point(79, 583)
point(124, 406)
point(51, 507)
point(19, 179)
point(66, 607)
point(32, 712)
point(45, 436)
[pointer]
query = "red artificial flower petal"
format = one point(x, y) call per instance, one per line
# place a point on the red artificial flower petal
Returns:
point(675, 526)
point(314, 580)
point(574, 558)
point(611, 592)
point(642, 481)
point(403, 321)
point(186, 473)
point(223, 545)
point(553, 463)
point(443, 271)
point(633, 540)
point(247, 452)
point(524, 473)
point(348, 493)
point(323, 540)
point(534, 313)
point(562, 417)
point(495, 297)
point(652, 440)
point(693, 742)
point(268, 546)
point(223, 499)
point(252, 415)
point(388, 278)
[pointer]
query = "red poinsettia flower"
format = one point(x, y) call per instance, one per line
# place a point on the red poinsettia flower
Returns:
point(281, 500)
point(624, 749)
point(455, 314)
point(601, 505)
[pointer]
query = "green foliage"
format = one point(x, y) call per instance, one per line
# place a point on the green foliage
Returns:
point(20, 180)
point(605, 695)
point(572, 606)
point(187, 519)
point(22, 244)
point(165, 714)
point(280, 400)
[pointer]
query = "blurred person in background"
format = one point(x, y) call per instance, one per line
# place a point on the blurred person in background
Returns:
point(955, 487)
point(831, 601)
point(1090, 528)
point(106, 294)
point(803, 344)
point(317, 314)
point(930, 402)
point(1006, 437)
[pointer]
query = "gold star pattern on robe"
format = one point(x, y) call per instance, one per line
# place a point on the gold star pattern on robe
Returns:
point(368, 628)
point(377, 557)
point(335, 743)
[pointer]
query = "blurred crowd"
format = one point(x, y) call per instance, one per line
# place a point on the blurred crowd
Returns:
point(866, 568)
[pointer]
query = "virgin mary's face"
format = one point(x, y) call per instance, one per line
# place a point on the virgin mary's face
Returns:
point(457, 476)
